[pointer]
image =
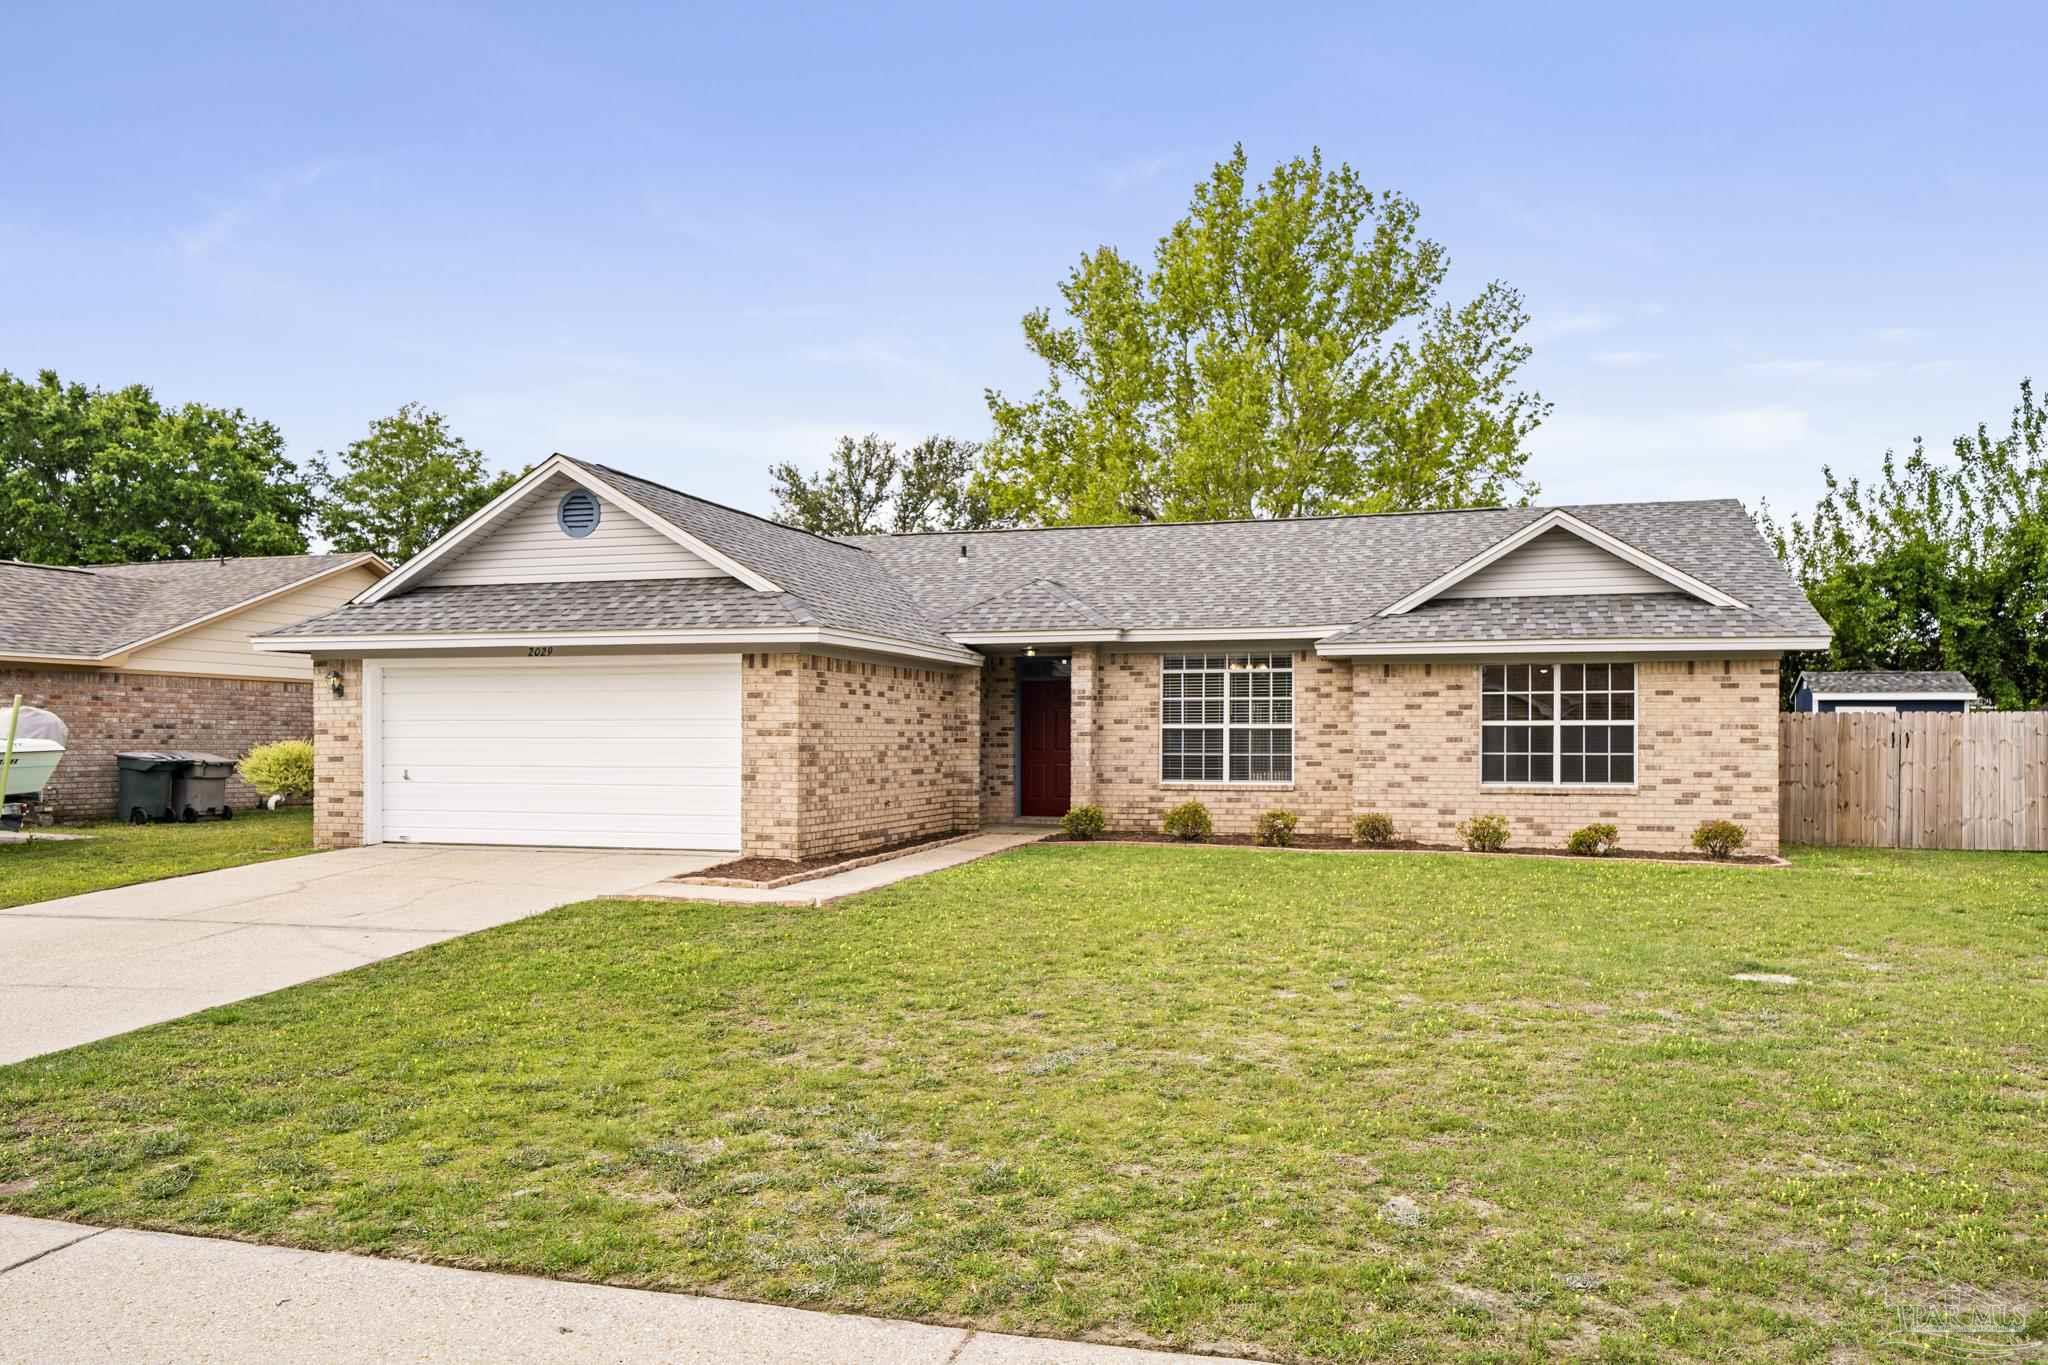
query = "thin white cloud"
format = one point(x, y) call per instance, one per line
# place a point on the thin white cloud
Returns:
point(228, 219)
point(1582, 322)
point(1137, 171)
point(1626, 360)
point(1827, 371)
point(1897, 336)
point(873, 354)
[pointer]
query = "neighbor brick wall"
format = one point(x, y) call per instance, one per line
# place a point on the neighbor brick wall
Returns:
point(338, 755)
point(1126, 747)
point(840, 755)
point(1706, 738)
point(111, 711)
point(999, 739)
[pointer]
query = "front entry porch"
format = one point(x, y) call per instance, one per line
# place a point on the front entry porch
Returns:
point(1045, 728)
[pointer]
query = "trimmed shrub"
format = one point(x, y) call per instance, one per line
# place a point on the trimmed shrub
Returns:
point(1484, 833)
point(1084, 822)
point(1188, 822)
point(1594, 841)
point(1373, 827)
point(1275, 829)
point(284, 768)
point(1719, 838)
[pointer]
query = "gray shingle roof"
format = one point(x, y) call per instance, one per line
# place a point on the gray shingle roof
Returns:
point(1340, 571)
point(833, 583)
point(639, 604)
point(1041, 604)
point(1888, 682)
point(1331, 573)
point(97, 611)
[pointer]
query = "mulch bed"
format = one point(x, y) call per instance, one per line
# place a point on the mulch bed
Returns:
point(1331, 841)
point(777, 871)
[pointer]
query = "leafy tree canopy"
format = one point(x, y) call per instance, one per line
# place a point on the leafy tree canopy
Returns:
point(400, 488)
point(869, 486)
point(1937, 564)
point(1287, 354)
point(91, 476)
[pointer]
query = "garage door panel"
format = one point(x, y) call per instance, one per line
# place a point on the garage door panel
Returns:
point(630, 753)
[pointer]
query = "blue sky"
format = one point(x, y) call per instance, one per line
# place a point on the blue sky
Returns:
point(694, 241)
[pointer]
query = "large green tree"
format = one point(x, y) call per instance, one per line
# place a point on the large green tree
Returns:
point(402, 486)
point(94, 476)
point(869, 486)
point(1937, 563)
point(1288, 353)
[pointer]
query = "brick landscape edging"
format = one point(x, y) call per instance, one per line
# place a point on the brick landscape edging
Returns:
point(849, 865)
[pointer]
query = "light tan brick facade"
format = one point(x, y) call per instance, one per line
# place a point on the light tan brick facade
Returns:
point(1127, 745)
point(841, 754)
point(1706, 739)
point(999, 738)
point(338, 755)
point(1404, 738)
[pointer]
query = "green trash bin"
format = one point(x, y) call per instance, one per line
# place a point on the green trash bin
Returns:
point(146, 779)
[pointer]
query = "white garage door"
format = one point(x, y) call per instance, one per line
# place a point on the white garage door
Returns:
point(639, 752)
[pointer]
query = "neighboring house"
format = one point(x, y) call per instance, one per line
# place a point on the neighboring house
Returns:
point(1883, 690)
point(157, 656)
point(594, 659)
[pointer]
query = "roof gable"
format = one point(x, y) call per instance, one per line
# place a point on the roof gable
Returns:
point(508, 504)
point(1534, 562)
point(528, 543)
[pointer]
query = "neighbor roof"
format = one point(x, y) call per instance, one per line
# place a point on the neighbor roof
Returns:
point(1316, 577)
point(99, 611)
point(1877, 682)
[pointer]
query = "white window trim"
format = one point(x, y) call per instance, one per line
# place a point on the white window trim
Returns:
point(1557, 723)
point(1238, 784)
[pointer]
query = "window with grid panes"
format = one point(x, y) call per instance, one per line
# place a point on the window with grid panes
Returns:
point(1567, 724)
point(1226, 718)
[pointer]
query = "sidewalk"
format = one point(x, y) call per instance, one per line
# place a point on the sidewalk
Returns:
point(74, 1293)
point(853, 881)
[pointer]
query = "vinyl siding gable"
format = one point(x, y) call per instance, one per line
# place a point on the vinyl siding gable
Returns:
point(528, 546)
point(221, 648)
point(1557, 564)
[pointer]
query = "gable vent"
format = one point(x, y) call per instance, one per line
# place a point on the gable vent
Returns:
point(578, 513)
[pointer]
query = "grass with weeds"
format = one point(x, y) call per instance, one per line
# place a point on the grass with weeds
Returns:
point(1296, 1106)
point(121, 854)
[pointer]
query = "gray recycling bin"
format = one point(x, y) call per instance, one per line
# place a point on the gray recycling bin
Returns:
point(146, 780)
point(200, 787)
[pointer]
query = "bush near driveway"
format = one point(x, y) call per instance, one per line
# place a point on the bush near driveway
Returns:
point(1317, 1108)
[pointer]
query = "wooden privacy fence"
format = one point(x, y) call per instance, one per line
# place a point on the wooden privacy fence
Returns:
point(1915, 780)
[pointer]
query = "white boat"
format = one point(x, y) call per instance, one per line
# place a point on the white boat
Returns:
point(38, 748)
point(34, 761)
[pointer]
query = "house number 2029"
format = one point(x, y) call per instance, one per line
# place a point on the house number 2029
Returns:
point(539, 651)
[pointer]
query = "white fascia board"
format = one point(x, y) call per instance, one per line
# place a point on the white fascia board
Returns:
point(729, 638)
point(497, 507)
point(1773, 644)
point(1892, 696)
point(1559, 520)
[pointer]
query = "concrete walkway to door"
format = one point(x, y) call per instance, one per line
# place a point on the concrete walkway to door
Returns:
point(90, 966)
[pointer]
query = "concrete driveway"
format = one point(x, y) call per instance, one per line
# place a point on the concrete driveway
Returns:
point(90, 966)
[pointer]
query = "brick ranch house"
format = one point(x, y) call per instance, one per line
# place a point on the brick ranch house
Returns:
point(598, 660)
point(157, 656)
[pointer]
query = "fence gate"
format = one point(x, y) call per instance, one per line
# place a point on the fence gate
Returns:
point(1918, 780)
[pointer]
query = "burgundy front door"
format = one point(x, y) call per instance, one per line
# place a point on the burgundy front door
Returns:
point(1044, 736)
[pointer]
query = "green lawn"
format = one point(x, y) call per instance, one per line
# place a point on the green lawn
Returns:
point(1160, 1095)
point(120, 855)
